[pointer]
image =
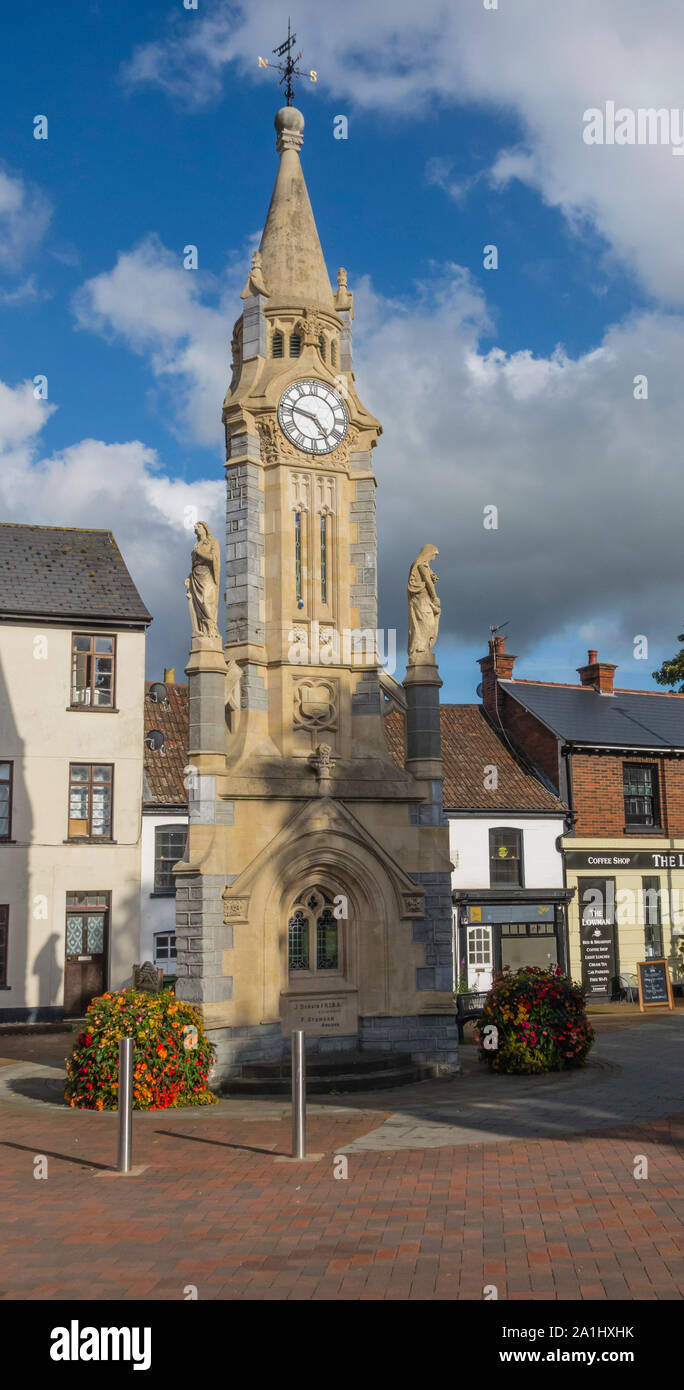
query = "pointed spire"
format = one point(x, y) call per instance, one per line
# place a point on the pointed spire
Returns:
point(292, 263)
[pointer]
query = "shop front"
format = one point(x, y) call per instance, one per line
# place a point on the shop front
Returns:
point(628, 906)
point(499, 929)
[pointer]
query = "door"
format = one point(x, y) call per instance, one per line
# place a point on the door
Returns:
point(479, 948)
point(86, 950)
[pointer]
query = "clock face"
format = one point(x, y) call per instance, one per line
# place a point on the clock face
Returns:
point(313, 416)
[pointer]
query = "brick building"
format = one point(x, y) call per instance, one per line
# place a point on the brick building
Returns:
point(615, 757)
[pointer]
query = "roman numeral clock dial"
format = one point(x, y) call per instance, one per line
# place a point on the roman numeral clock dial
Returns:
point(313, 416)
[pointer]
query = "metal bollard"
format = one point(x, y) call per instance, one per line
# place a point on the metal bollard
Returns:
point(125, 1104)
point(298, 1095)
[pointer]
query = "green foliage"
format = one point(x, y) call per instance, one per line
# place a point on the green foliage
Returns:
point(172, 1053)
point(540, 1020)
point(671, 672)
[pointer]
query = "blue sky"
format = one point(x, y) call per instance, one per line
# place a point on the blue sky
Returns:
point(510, 387)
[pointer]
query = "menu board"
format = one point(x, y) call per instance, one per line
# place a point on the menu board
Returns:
point(655, 987)
point(597, 936)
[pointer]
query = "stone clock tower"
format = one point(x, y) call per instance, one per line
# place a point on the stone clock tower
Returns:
point(316, 890)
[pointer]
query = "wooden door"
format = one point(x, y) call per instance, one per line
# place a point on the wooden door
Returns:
point(85, 957)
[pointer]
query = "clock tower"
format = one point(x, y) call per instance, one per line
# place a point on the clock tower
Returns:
point(316, 889)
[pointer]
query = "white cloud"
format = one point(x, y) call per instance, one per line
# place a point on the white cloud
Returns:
point(157, 308)
point(24, 218)
point(119, 487)
point(543, 62)
point(587, 480)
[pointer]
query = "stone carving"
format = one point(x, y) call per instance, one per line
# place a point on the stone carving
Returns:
point(309, 327)
point(255, 279)
point(414, 905)
point(323, 762)
point(234, 909)
point(202, 584)
point(148, 977)
point(233, 678)
point(424, 608)
point(326, 487)
point(300, 492)
point(315, 704)
point(274, 444)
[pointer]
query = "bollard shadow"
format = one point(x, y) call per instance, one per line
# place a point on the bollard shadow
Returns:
point(49, 1153)
point(222, 1143)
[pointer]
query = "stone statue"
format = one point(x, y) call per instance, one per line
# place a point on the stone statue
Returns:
point(424, 608)
point(202, 585)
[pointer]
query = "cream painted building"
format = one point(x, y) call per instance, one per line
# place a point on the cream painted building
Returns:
point(316, 889)
point(72, 670)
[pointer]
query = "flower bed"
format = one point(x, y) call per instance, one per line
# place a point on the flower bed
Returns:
point(534, 1020)
point(171, 1051)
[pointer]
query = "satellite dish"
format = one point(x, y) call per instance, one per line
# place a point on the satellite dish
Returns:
point(155, 740)
point(159, 695)
point(478, 692)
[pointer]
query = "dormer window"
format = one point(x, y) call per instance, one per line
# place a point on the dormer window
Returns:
point(295, 344)
point(277, 344)
point(321, 346)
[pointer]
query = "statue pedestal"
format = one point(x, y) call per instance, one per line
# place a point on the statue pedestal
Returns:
point(206, 673)
point(422, 684)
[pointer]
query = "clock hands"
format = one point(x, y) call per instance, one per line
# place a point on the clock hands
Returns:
point(310, 415)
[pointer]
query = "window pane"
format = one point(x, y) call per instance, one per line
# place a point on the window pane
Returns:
point(4, 772)
point(102, 773)
point(79, 772)
point(82, 642)
point(169, 848)
point(104, 644)
point(96, 933)
point(298, 941)
point(74, 936)
point(101, 811)
point(326, 941)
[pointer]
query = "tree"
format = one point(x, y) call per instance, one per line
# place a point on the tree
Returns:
point(672, 671)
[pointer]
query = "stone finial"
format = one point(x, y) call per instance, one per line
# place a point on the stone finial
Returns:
point(289, 124)
point(323, 762)
point(255, 279)
point(344, 298)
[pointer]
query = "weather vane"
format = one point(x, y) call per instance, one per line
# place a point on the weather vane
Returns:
point(289, 68)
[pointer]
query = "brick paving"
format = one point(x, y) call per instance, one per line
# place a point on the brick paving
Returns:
point(547, 1219)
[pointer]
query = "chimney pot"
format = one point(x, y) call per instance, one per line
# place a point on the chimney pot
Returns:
point(593, 656)
point(169, 675)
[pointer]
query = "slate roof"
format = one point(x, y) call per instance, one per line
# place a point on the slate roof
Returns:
point(163, 773)
point(626, 719)
point(469, 744)
point(66, 572)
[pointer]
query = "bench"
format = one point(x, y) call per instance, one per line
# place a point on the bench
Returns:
point(468, 1008)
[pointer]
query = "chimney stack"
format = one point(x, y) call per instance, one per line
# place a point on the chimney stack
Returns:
point(599, 674)
point(169, 675)
point(498, 665)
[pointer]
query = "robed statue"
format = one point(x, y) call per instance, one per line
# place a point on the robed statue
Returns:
point(424, 607)
point(203, 583)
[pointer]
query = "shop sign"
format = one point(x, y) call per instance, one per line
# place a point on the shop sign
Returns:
point(624, 859)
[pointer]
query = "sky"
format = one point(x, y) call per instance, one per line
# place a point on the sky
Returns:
point(510, 388)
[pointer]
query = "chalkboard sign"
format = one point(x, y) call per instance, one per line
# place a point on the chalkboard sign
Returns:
point(655, 988)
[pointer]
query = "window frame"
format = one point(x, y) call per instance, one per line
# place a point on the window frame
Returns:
point(312, 916)
point(6, 839)
point(170, 960)
point(90, 707)
point(89, 838)
point(180, 828)
point(519, 859)
point(643, 825)
point(4, 944)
